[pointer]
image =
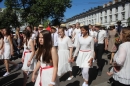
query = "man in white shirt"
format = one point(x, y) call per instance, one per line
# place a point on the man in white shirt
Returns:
point(40, 28)
point(70, 31)
point(99, 47)
point(54, 35)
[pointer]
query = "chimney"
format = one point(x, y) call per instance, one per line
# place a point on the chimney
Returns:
point(110, 3)
point(105, 5)
point(116, 1)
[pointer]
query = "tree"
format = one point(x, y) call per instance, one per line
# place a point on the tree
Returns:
point(34, 11)
point(9, 18)
point(128, 20)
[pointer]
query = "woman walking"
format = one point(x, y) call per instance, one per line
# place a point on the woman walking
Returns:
point(121, 64)
point(64, 53)
point(28, 56)
point(47, 61)
point(85, 48)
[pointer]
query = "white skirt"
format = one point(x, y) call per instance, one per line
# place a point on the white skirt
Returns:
point(33, 63)
point(83, 58)
point(45, 78)
point(63, 64)
point(7, 52)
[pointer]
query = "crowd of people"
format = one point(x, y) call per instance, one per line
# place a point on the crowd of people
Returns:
point(48, 54)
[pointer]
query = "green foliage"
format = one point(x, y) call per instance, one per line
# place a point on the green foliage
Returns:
point(46, 23)
point(37, 10)
point(9, 18)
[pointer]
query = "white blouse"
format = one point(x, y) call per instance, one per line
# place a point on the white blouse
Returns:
point(122, 58)
point(85, 44)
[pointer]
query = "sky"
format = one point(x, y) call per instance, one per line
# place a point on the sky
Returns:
point(78, 6)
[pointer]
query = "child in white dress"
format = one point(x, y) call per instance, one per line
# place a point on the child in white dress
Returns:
point(47, 62)
point(8, 49)
point(85, 48)
point(28, 59)
point(65, 49)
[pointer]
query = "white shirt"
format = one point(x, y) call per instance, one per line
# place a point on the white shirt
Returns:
point(36, 33)
point(55, 38)
point(33, 36)
point(66, 32)
point(101, 36)
point(70, 31)
point(122, 58)
point(93, 33)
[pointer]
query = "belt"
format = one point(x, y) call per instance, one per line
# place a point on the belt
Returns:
point(84, 50)
point(43, 68)
point(26, 52)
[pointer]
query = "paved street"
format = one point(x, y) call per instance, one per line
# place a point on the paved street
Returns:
point(15, 78)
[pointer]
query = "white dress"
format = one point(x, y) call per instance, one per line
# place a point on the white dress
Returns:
point(45, 78)
point(77, 32)
point(63, 54)
point(86, 51)
point(7, 49)
point(26, 55)
point(1, 55)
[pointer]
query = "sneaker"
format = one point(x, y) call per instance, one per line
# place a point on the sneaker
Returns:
point(71, 77)
point(84, 84)
point(29, 72)
point(7, 73)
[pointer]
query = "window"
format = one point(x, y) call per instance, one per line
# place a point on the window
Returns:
point(110, 18)
point(101, 19)
point(105, 19)
point(110, 11)
point(105, 12)
point(116, 16)
point(116, 9)
point(89, 21)
point(92, 22)
point(123, 7)
point(123, 16)
point(101, 13)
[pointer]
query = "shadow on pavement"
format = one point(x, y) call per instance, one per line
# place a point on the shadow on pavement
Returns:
point(64, 77)
point(75, 83)
point(92, 74)
point(30, 84)
point(6, 81)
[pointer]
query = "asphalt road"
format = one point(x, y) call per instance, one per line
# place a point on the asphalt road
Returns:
point(16, 77)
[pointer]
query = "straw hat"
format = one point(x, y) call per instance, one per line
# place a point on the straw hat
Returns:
point(98, 24)
point(54, 27)
point(81, 25)
point(63, 25)
point(40, 26)
point(112, 24)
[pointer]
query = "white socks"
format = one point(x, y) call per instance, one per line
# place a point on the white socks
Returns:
point(84, 84)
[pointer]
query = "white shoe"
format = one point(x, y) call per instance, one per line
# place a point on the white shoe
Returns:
point(71, 77)
point(84, 84)
point(29, 72)
point(7, 73)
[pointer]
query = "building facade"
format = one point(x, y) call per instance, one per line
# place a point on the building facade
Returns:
point(116, 10)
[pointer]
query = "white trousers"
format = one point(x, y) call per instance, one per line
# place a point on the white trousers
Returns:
point(85, 73)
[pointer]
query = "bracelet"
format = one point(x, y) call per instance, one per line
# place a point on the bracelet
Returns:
point(53, 83)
